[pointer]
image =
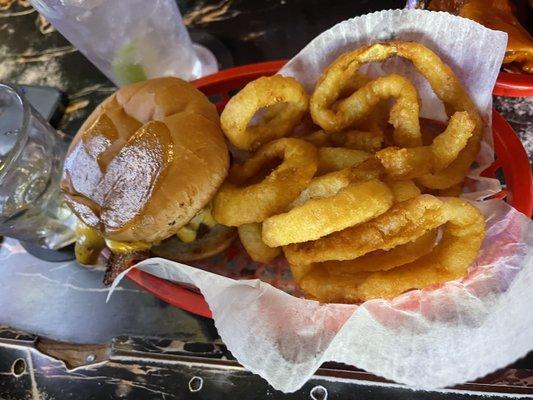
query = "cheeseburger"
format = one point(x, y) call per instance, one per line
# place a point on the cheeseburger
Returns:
point(140, 175)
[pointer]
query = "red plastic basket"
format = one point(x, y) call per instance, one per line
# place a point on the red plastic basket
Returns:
point(511, 160)
point(513, 85)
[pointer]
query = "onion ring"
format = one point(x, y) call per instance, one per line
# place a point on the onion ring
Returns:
point(353, 139)
point(403, 223)
point(250, 236)
point(319, 138)
point(359, 140)
point(463, 235)
point(240, 202)
point(348, 112)
point(323, 186)
point(336, 158)
point(452, 191)
point(441, 78)
point(264, 92)
point(329, 184)
point(403, 190)
point(368, 169)
point(352, 205)
point(408, 163)
point(449, 89)
point(384, 260)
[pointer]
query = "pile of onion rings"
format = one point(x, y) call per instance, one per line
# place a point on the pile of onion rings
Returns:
point(346, 181)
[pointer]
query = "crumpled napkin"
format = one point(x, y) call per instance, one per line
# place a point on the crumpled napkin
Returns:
point(428, 338)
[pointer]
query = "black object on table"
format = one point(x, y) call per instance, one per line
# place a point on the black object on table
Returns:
point(52, 311)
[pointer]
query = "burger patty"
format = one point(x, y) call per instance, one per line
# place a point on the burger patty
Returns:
point(119, 262)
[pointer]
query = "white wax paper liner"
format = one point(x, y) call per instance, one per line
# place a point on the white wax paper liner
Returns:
point(427, 338)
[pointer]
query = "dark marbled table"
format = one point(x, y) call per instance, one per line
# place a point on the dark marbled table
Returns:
point(154, 350)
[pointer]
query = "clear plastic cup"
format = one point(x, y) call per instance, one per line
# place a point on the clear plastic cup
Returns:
point(130, 40)
point(32, 208)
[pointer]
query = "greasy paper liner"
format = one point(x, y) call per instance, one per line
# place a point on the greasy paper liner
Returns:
point(428, 338)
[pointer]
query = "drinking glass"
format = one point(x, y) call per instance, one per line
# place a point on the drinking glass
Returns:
point(130, 40)
point(32, 208)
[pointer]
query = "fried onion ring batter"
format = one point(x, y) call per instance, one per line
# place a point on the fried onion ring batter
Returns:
point(380, 260)
point(240, 202)
point(463, 235)
point(352, 139)
point(335, 158)
point(332, 116)
point(402, 223)
point(354, 204)
point(250, 236)
point(408, 163)
point(284, 94)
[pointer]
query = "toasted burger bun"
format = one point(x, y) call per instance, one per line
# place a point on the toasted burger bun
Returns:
point(148, 159)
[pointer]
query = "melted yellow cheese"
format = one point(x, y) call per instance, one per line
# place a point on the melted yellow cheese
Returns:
point(89, 241)
point(187, 234)
point(126, 247)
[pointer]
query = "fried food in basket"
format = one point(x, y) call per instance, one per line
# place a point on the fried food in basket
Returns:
point(408, 163)
point(248, 197)
point(381, 260)
point(335, 158)
point(287, 102)
point(250, 236)
point(319, 216)
point(500, 16)
point(402, 223)
point(329, 184)
point(331, 203)
point(463, 234)
point(403, 190)
point(355, 108)
point(333, 114)
point(352, 139)
point(347, 199)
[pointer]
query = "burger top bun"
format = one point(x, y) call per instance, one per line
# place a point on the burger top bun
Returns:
point(146, 161)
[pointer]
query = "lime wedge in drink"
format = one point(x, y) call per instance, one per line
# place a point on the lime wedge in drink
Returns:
point(125, 67)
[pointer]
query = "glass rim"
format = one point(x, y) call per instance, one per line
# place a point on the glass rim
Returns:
point(22, 138)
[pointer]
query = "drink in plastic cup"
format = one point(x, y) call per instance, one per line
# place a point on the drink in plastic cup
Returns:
point(130, 40)
point(31, 157)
